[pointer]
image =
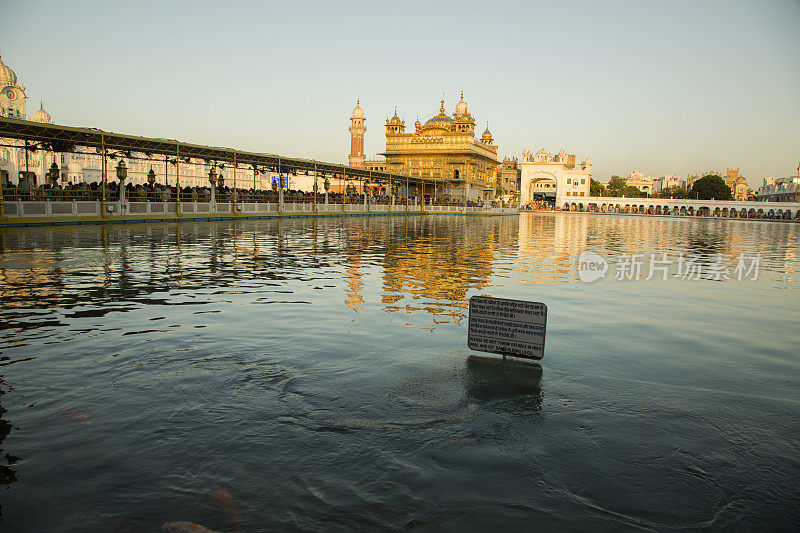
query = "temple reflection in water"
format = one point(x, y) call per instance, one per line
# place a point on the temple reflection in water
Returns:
point(430, 263)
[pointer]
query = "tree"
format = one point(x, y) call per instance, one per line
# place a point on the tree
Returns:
point(596, 188)
point(629, 191)
point(675, 191)
point(616, 185)
point(710, 187)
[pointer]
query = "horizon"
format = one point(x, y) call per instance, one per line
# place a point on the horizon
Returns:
point(635, 87)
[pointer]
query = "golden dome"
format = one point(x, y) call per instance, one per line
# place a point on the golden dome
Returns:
point(487, 135)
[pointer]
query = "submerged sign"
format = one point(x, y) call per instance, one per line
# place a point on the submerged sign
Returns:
point(507, 327)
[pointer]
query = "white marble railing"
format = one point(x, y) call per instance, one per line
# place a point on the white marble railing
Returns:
point(22, 208)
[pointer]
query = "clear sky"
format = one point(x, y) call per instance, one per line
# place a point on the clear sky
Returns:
point(661, 87)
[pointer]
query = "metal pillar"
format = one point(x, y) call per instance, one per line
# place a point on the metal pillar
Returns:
point(344, 189)
point(178, 179)
point(367, 194)
point(234, 183)
point(315, 189)
point(406, 195)
point(103, 166)
point(280, 188)
point(27, 171)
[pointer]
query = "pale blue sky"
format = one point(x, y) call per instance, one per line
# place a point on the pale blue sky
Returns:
point(661, 87)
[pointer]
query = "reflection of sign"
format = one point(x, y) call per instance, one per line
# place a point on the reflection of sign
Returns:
point(508, 327)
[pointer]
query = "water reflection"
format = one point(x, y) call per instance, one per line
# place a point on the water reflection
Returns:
point(492, 378)
point(7, 474)
point(185, 346)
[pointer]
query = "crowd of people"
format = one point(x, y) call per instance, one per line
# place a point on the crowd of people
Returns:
point(539, 205)
point(167, 193)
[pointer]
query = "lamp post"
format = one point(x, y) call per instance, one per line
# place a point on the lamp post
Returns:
point(53, 174)
point(316, 188)
point(280, 190)
point(327, 185)
point(151, 178)
point(212, 179)
point(122, 173)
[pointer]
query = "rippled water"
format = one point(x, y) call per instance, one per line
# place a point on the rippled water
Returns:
point(313, 374)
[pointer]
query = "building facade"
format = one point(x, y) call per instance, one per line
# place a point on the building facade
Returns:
point(779, 189)
point(553, 178)
point(644, 183)
point(508, 179)
point(443, 149)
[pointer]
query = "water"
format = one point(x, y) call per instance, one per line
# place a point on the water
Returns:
point(316, 371)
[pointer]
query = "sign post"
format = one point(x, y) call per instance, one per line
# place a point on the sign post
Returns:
point(508, 327)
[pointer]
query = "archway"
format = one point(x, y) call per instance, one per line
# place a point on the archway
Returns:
point(732, 213)
point(751, 213)
point(760, 213)
point(542, 191)
point(683, 211)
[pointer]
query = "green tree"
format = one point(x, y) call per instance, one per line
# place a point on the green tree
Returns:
point(629, 191)
point(710, 187)
point(596, 188)
point(676, 191)
point(616, 185)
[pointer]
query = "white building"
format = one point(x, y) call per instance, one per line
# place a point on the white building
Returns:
point(668, 180)
point(644, 183)
point(554, 178)
point(779, 189)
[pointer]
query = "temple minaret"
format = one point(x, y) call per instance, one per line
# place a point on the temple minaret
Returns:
point(357, 130)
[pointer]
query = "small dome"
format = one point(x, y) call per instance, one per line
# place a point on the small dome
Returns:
point(358, 112)
point(439, 120)
point(7, 76)
point(487, 135)
point(42, 115)
point(461, 107)
point(395, 119)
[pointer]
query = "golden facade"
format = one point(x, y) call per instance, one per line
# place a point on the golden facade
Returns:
point(444, 149)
